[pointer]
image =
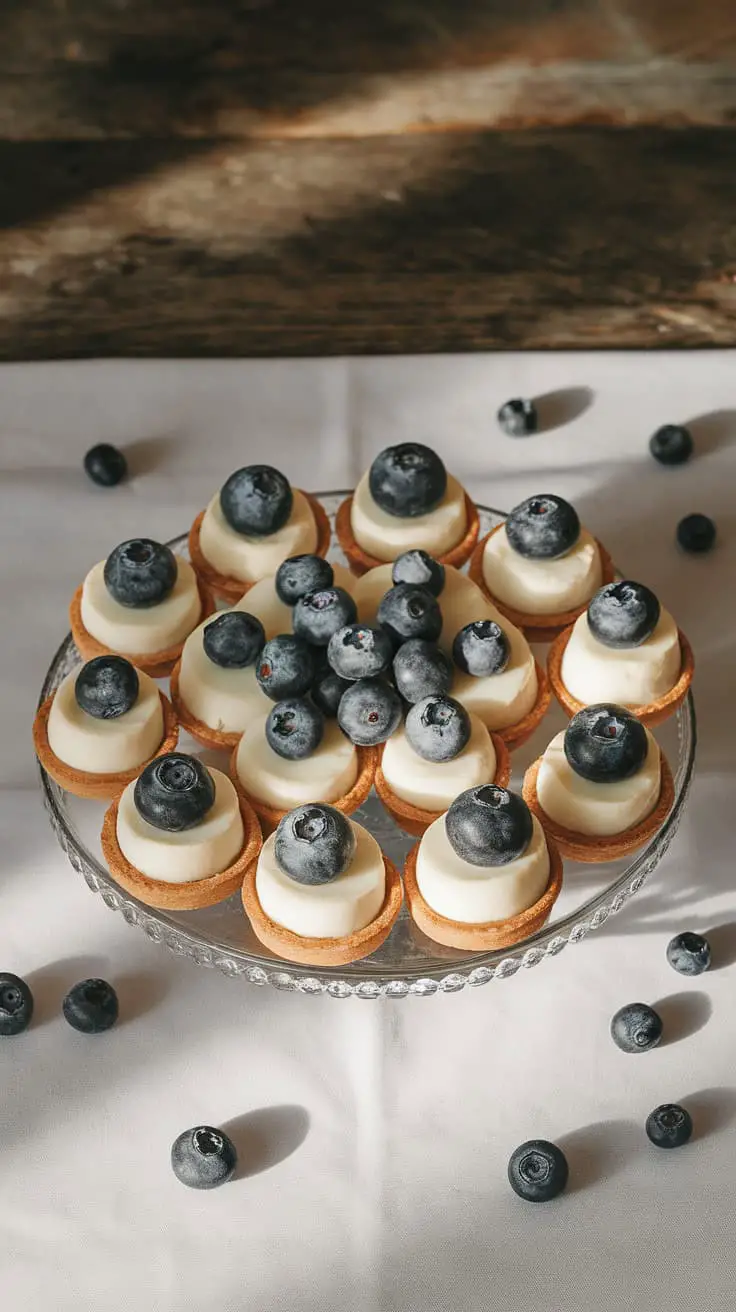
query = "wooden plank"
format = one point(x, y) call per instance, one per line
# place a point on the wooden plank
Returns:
point(549, 239)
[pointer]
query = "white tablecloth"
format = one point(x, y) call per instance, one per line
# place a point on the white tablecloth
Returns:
point(374, 1136)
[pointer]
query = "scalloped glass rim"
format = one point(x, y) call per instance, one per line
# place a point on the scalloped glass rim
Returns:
point(368, 978)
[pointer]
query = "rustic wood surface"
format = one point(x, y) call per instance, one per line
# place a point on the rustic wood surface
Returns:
point(273, 177)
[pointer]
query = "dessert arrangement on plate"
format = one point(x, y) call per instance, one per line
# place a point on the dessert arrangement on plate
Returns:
point(407, 676)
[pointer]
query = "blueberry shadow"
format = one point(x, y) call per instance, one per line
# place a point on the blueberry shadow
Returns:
point(712, 1110)
point(722, 939)
point(267, 1136)
point(712, 431)
point(683, 1014)
point(50, 984)
point(147, 454)
point(555, 409)
point(598, 1151)
point(140, 993)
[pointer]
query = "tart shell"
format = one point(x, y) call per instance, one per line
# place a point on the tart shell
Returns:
point(158, 664)
point(652, 713)
point(271, 816)
point(203, 733)
point(413, 819)
point(361, 561)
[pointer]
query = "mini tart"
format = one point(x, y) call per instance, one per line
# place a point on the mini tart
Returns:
point(180, 897)
point(412, 818)
point(197, 728)
point(653, 713)
point(225, 587)
point(323, 951)
point(83, 783)
point(271, 816)
point(158, 664)
point(538, 628)
point(590, 848)
point(361, 561)
point(494, 933)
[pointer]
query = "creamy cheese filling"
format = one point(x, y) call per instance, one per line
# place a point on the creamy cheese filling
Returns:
point(475, 895)
point(225, 699)
point(596, 809)
point(105, 746)
point(434, 785)
point(630, 676)
point(252, 558)
point(180, 858)
point(326, 775)
point(263, 601)
point(141, 630)
point(542, 587)
point(386, 536)
point(344, 906)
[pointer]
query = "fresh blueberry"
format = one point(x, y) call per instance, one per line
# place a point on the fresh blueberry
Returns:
point(294, 728)
point(489, 826)
point(605, 744)
point(543, 527)
point(203, 1158)
point(140, 572)
point(299, 575)
point(327, 690)
point(636, 1028)
point(409, 611)
point(518, 418)
point(438, 728)
point(256, 501)
point(671, 445)
point(91, 1006)
point(360, 652)
point(174, 792)
point(369, 712)
point(16, 1005)
point(106, 687)
point(314, 843)
point(417, 566)
point(320, 614)
point(481, 648)
point(538, 1171)
point(688, 953)
point(285, 667)
point(421, 668)
point(623, 614)
point(407, 480)
point(234, 639)
point(669, 1126)
point(696, 534)
point(105, 465)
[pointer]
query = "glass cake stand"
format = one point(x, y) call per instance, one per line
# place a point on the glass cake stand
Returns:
point(407, 963)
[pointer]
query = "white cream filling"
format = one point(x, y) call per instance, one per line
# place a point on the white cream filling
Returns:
point(434, 785)
point(263, 601)
point(500, 700)
point(326, 775)
point(475, 895)
point(105, 746)
point(630, 676)
point(226, 700)
point(180, 858)
point(594, 808)
point(249, 558)
point(141, 630)
point(386, 536)
point(333, 910)
point(542, 587)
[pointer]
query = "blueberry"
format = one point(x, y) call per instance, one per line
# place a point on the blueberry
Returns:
point(105, 465)
point(688, 953)
point(203, 1158)
point(327, 691)
point(285, 667)
point(421, 668)
point(174, 792)
point(409, 611)
point(669, 1126)
point(623, 614)
point(106, 687)
point(605, 744)
point(671, 445)
point(538, 1171)
point(91, 1006)
point(636, 1028)
point(543, 527)
point(407, 480)
point(369, 712)
point(140, 572)
point(518, 418)
point(360, 652)
point(489, 826)
point(320, 614)
point(314, 844)
point(481, 648)
point(696, 534)
point(418, 566)
point(302, 574)
point(294, 728)
point(16, 1005)
point(256, 501)
point(438, 728)
point(234, 639)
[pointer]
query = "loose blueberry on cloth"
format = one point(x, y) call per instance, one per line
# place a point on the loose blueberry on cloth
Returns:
point(203, 1158)
point(636, 1028)
point(91, 1007)
point(538, 1171)
point(16, 1005)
